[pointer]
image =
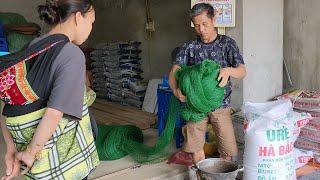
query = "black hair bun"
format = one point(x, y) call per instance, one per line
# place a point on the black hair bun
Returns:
point(49, 13)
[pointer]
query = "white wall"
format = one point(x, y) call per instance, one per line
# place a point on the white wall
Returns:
point(302, 42)
point(262, 49)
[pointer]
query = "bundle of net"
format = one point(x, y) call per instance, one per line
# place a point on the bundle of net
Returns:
point(200, 86)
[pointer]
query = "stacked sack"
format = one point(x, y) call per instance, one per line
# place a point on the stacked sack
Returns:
point(117, 72)
point(308, 101)
point(271, 130)
point(98, 70)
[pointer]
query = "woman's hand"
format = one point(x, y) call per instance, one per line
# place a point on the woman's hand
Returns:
point(12, 164)
point(27, 158)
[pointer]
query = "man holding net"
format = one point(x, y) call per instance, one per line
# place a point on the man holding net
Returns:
point(224, 51)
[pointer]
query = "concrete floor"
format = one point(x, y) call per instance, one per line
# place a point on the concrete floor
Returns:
point(125, 168)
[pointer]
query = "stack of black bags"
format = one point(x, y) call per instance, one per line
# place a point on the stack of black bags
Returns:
point(117, 72)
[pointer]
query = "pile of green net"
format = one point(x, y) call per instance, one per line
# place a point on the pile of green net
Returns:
point(16, 41)
point(199, 84)
point(115, 142)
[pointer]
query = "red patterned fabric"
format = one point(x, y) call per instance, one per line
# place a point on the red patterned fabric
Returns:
point(14, 87)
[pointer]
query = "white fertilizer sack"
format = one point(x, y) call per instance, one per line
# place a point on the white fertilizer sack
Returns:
point(270, 132)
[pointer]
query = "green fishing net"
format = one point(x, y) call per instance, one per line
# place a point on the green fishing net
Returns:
point(198, 83)
point(16, 41)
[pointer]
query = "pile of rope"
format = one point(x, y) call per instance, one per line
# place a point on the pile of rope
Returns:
point(199, 84)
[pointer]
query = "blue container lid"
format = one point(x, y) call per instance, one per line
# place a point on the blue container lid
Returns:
point(3, 53)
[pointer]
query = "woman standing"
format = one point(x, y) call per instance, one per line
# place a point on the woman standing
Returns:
point(46, 123)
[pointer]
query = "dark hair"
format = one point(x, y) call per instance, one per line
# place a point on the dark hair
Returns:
point(200, 8)
point(57, 11)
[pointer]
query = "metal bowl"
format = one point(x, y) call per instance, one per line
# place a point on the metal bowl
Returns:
point(216, 169)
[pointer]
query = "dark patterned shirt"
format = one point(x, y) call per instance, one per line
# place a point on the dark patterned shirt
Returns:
point(223, 50)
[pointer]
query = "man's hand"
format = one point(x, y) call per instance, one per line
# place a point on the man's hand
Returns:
point(224, 76)
point(179, 95)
